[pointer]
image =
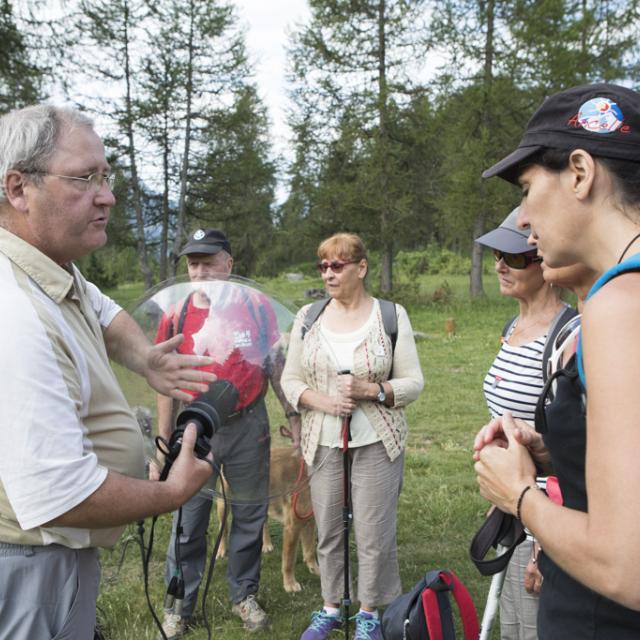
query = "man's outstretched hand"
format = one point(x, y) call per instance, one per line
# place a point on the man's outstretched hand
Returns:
point(169, 372)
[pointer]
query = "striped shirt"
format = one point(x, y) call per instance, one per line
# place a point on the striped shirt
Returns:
point(514, 380)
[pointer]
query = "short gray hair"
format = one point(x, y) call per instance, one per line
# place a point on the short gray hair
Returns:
point(29, 136)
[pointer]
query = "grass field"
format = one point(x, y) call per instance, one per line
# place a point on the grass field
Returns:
point(439, 509)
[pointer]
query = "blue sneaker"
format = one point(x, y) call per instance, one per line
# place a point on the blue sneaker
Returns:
point(367, 627)
point(322, 624)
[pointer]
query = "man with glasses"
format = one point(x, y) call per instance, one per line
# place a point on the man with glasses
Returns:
point(72, 460)
point(237, 327)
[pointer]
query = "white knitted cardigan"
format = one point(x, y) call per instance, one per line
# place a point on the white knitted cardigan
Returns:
point(310, 366)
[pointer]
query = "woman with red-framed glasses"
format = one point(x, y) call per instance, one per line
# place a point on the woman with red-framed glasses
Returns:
point(514, 382)
point(578, 167)
point(346, 377)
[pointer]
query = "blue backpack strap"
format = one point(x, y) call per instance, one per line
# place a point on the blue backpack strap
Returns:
point(630, 264)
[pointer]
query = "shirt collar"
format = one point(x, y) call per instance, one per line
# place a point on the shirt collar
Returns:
point(56, 281)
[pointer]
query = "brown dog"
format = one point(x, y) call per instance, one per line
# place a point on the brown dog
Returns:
point(290, 504)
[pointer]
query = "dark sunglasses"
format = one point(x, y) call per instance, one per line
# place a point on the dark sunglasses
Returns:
point(335, 265)
point(516, 260)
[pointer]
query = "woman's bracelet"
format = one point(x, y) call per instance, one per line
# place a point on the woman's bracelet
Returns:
point(292, 414)
point(521, 497)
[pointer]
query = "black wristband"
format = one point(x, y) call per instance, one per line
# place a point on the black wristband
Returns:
point(521, 497)
point(292, 414)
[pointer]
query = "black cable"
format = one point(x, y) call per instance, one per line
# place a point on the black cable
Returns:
point(172, 590)
point(176, 589)
point(145, 568)
point(176, 546)
point(130, 537)
point(177, 580)
point(214, 553)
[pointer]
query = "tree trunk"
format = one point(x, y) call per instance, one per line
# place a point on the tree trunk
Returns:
point(386, 263)
point(386, 267)
point(135, 183)
point(476, 288)
point(475, 285)
point(164, 233)
point(184, 171)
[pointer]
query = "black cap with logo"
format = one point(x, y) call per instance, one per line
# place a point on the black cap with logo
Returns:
point(206, 241)
point(603, 119)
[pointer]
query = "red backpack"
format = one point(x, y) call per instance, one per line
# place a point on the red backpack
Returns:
point(425, 612)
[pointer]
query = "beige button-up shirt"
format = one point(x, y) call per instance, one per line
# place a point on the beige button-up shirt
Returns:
point(64, 421)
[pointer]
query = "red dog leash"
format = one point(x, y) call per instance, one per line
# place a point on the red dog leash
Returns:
point(286, 433)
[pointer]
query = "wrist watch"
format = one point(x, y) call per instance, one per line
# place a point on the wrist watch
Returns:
point(382, 396)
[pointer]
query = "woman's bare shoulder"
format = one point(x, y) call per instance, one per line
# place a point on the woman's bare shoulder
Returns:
point(616, 298)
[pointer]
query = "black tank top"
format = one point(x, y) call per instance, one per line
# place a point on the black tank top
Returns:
point(568, 610)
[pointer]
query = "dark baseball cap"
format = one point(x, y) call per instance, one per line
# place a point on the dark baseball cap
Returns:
point(603, 119)
point(507, 237)
point(206, 241)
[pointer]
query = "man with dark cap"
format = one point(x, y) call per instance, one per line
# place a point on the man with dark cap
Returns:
point(236, 326)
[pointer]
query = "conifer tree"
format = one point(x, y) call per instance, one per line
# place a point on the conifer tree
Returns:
point(350, 67)
point(20, 78)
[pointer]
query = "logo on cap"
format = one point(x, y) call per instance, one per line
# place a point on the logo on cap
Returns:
point(600, 115)
point(198, 235)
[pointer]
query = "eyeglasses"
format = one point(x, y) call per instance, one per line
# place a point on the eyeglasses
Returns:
point(335, 265)
point(516, 260)
point(95, 180)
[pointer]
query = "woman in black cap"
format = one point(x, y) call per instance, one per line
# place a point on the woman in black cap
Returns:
point(514, 382)
point(578, 166)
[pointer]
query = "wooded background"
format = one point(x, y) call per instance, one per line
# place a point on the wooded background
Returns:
point(396, 106)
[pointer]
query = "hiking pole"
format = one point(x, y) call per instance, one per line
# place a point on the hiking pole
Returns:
point(345, 436)
point(346, 519)
point(493, 600)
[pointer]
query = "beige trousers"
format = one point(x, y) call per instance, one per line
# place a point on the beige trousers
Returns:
point(375, 487)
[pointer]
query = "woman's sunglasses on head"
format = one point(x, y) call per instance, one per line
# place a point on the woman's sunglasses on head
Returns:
point(516, 260)
point(335, 265)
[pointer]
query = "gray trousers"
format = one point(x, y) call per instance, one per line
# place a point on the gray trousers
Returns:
point(48, 592)
point(242, 447)
point(518, 609)
point(375, 487)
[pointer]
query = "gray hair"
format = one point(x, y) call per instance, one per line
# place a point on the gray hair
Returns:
point(29, 136)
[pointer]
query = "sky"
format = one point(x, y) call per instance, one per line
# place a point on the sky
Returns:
point(267, 22)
